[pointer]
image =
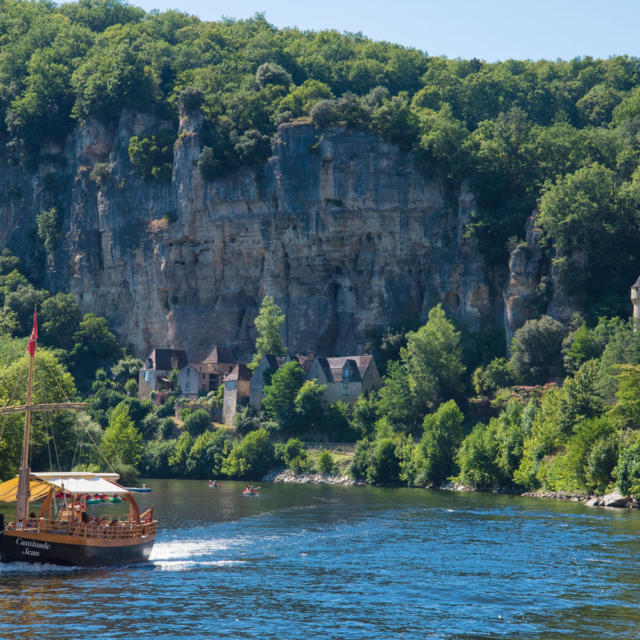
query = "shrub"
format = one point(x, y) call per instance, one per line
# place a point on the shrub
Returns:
point(324, 113)
point(49, 228)
point(251, 458)
point(271, 73)
point(442, 435)
point(293, 448)
point(191, 99)
point(326, 463)
point(376, 462)
point(627, 471)
point(100, 173)
point(197, 422)
point(536, 350)
point(153, 156)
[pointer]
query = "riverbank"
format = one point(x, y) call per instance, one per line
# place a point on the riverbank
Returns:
point(613, 500)
point(288, 476)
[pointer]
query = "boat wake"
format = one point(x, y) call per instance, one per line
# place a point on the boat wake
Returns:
point(179, 555)
point(35, 568)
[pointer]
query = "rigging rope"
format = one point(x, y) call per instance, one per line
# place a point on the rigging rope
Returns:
point(48, 425)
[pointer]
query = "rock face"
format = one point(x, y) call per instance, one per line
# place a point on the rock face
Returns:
point(341, 228)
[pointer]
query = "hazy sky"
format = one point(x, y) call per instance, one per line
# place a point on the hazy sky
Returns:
point(487, 29)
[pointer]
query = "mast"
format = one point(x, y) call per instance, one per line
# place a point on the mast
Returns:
point(24, 475)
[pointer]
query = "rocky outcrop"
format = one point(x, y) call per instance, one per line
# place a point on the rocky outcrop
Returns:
point(341, 228)
point(288, 476)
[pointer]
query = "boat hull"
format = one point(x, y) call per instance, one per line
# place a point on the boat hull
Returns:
point(18, 546)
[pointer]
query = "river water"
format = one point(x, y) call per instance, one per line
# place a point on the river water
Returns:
point(303, 561)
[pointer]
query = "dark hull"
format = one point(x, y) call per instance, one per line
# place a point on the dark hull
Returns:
point(30, 549)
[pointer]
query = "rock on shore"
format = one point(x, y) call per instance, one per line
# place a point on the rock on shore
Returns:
point(614, 499)
point(286, 475)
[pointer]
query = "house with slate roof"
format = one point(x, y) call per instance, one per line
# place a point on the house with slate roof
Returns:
point(346, 378)
point(159, 364)
point(214, 367)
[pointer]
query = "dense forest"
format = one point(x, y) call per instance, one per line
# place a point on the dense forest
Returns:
point(560, 140)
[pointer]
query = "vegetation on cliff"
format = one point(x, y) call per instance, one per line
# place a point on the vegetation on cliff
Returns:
point(561, 136)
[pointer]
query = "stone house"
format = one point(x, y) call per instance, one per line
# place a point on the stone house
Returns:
point(188, 381)
point(261, 377)
point(236, 391)
point(346, 378)
point(154, 376)
point(214, 367)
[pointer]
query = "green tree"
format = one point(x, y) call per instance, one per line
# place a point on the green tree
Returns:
point(435, 453)
point(326, 463)
point(432, 361)
point(280, 395)
point(310, 407)
point(59, 319)
point(267, 323)
point(208, 454)
point(498, 374)
point(153, 156)
point(95, 346)
point(121, 443)
point(180, 454)
point(52, 384)
point(376, 462)
point(627, 471)
point(197, 422)
point(49, 228)
point(536, 350)
point(250, 458)
point(626, 411)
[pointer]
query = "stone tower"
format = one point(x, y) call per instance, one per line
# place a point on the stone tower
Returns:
point(635, 299)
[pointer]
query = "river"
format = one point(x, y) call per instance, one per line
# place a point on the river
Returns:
point(304, 561)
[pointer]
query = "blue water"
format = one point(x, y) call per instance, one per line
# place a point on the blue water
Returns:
point(347, 562)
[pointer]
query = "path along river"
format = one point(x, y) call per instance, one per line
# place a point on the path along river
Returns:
point(303, 561)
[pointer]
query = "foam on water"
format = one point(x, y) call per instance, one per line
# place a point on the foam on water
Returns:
point(34, 568)
point(187, 549)
point(184, 565)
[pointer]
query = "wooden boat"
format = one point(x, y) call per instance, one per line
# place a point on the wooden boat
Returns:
point(63, 533)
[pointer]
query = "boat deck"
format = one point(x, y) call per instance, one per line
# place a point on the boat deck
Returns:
point(120, 530)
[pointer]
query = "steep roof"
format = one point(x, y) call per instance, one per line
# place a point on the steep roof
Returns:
point(238, 372)
point(636, 284)
point(161, 358)
point(305, 362)
point(361, 362)
point(275, 362)
point(219, 354)
point(326, 368)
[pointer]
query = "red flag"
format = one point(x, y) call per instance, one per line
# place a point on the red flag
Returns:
point(31, 347)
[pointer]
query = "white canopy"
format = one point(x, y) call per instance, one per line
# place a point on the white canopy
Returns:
point(81, 482)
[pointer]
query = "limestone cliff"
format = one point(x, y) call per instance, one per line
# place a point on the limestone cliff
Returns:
point(340, 227)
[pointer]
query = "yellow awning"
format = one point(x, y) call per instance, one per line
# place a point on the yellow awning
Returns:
point(9, 489)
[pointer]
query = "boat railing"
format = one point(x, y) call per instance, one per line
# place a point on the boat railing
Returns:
point(114, 530)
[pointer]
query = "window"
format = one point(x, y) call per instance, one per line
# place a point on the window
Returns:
point(345, 388)
point(228, 402)
point(187, 387)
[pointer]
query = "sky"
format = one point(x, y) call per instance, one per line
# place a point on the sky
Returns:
point(490, 30)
